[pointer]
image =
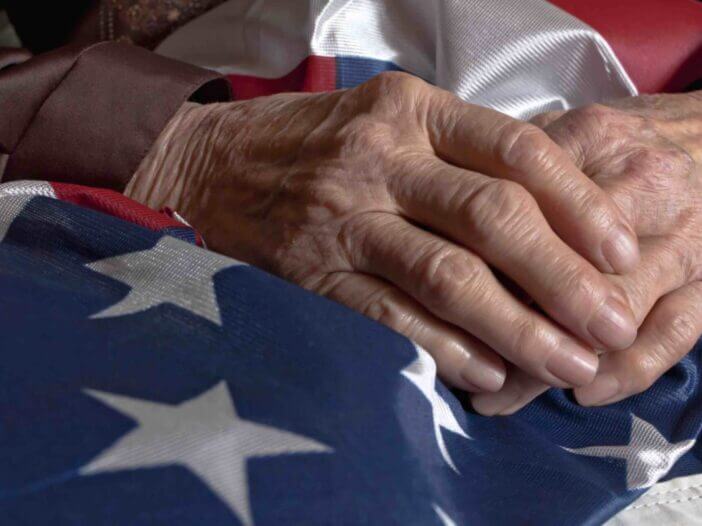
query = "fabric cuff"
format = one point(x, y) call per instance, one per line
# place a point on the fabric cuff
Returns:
point(105, 109)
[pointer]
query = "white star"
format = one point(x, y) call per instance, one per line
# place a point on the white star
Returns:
point(649, 456)
point(422, 373)
point(172, 272)
point(204, 434)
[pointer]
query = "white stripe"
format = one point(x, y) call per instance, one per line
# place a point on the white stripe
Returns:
point(521, 57)
point(27, 188)
point(15, 196)
point(677, 501)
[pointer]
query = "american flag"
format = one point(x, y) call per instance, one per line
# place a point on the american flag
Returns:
point(146, 380)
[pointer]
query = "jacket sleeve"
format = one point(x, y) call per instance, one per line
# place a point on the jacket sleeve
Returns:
point(89, 115)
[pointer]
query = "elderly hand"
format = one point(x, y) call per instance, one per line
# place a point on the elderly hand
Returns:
point(646, 152)
point(395, 198)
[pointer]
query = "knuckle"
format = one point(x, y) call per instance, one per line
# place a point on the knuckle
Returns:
point(677, 331)
point(529, 344)
point(577, 286)
point(685, 328)
point(595, 114)
point(634, 294)
point(499, 205)
point(353, 238)
point(642, 374)
point(385, 308)
point(599, 209)
point(521, 144)
point(581, 129)
point(395, 83)
point(444, 273)
point(358, 236)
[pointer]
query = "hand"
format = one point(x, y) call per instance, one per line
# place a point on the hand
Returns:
point(646, 152)
point(393, 198)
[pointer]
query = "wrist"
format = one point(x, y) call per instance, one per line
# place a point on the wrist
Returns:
point(167, 173)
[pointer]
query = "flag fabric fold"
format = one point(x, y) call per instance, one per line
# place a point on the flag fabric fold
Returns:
point(521, 57)
point(146, 380)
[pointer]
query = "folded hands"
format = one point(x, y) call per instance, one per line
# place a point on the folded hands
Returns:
point(646, 153)
point(515, 253)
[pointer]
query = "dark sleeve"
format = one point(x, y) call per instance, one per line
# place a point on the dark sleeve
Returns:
point(89, 115)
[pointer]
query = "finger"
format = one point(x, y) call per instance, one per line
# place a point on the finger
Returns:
point(461, 360)
point(502, 223)
point(579, 211)
point(519, 389)
point(664, 268)
point(458, 287)
point(668, 334)
point(660, 272)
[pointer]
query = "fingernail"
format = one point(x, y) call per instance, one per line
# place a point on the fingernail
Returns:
point(490, 404)
point(621, 250)
point(484, 377)
point(613, 325)
point(602, 389)
point(573, 364)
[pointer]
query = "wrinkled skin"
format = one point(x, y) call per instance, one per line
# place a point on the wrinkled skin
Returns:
point(646, 152)
point(397, 199)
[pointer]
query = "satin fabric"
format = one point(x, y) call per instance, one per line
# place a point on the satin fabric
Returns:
point(521, 57)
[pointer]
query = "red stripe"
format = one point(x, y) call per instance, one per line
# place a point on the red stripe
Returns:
point(117, 205)
point(312, 74)
point(659, 42)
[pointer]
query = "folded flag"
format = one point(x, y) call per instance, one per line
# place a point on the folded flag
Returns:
point(146, 380)
point(522, 57)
